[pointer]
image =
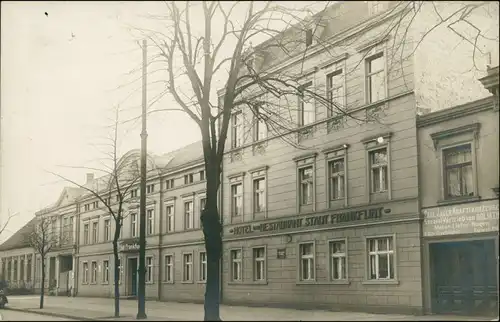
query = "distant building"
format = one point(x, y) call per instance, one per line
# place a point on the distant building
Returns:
point(458, 175)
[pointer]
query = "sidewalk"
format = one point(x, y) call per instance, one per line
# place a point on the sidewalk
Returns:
point(91, 309)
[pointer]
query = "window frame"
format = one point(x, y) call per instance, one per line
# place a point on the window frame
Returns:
point(338, 69)
point(120, 270)
point(300, 279)
point(169, 184)
point(184, 265)
point(260, 173)
point(444, 170)
point(375, 53)
point(105, 271)
point(301, 163)
point(371, 145)
point(237, 129)
point(258, 123)
point(237, 260)
point(202, 267)
point(134, 225)
point(191, 213)
point(367, 279)
point(301, 105)
point(169, 278)
point(150, 222)
point(201, 195)
point(339, 152)
point(85, 271)
point(86, 233)
point(255, 260)
point(93, 279)
point(107, 229)
point(379, 166)
point(171, 216)
point(149, 270)
point(344, 280)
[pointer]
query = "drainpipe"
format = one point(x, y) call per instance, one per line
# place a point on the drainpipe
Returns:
point(76, 265)
point(221, 214)
point(160, 242)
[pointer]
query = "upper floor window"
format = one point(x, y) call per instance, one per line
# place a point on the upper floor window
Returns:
point(202, 175)
point(133, 225)
point(260, 130)
point(259, 197)
point(150, 188)
point(378, 168)
point(335, 92)
point(170, 184)
point(188, 178)
point(306, 106)
point(237, 199)
point(336, 176)
point(86, 233)
point(375, 78)
point(309, 37)
point(306, 185)
point(107, 229)
point(150, 220)
point(95, 236)
point(188, 215)
point(95, 204)
point(458, 174)
point(236, 130)
point(133, 193)
point(170, 218)
point(86, 207)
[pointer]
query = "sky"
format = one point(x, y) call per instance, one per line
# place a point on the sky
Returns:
point(59, 79)
point(64, 67)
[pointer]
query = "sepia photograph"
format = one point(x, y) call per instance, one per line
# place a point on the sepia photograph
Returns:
point(249, 161)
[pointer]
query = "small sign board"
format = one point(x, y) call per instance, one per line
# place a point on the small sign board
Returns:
point(281, 253)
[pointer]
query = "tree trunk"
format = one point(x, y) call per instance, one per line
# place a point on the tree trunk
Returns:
point(42, 288)
point(212, 230)
point(116, 278)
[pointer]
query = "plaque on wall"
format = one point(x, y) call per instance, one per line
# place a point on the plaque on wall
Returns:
point(281, 253)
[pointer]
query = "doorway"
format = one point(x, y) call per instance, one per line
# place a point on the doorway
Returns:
point(132, 276)
point(464, 277)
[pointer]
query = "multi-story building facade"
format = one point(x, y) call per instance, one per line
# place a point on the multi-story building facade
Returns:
point(336, 223)
point(459, 176)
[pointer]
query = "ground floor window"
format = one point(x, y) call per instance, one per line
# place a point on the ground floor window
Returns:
point(149, 269)
point(338, 260)
point(187, 274)
point(105, 271)
point(381, 258)
point(259, 266)
point(236, 268)
point(307, 269)
point(169, 268)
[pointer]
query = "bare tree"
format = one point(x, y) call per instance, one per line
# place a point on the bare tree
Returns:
point(9, 217)
point(43, 239)
point(275, 97)
point(120, 178)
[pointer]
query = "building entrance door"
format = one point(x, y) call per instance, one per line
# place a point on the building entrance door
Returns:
point(464, 277)
point(132, 269)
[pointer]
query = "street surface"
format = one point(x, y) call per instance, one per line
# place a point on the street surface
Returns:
point(8, 315)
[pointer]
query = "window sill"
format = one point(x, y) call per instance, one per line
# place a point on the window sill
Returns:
point(167, 282)
point(149, 283)
point(312, 282)
point(105, 283)
point(249, 283)
point(187, 282)
point(235, 283)
point(380, 282)
point(339, 282)
point(93, 283)
point(465, 199)
point(201, 282)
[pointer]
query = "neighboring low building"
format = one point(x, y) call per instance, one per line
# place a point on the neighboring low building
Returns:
point(17, 259)
point(459, 174)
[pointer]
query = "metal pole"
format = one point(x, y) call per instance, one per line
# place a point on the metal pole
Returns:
point(141, 303)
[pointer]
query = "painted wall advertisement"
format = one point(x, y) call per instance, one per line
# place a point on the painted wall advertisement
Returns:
point(477, 217)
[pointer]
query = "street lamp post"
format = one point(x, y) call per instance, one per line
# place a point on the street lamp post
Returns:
point(141, 303)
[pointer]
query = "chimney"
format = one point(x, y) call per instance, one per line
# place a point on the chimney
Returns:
point(90, 178)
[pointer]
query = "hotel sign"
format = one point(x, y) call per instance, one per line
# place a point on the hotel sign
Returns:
point(470, 218)
point(311, 221)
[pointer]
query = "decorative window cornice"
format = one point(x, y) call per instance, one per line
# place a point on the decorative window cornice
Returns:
point(372, 43)
point(336, 148)
point(306, 157)
point(374, 138)
point(474, 128)
point(333, 61)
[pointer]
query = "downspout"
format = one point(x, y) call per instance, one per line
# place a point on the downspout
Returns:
point(221, 214)
point(76, 267)
point(160, 242)
point(423, 244)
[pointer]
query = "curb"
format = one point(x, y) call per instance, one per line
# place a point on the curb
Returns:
point(57, 315)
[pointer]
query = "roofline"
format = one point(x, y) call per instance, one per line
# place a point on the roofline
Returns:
point(463, 110)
